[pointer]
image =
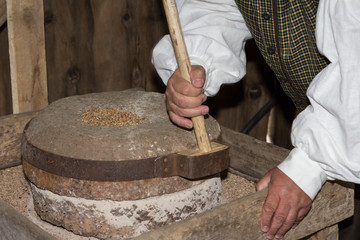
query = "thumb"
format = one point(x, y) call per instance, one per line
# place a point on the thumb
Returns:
point(263, 183)
point(197, 76)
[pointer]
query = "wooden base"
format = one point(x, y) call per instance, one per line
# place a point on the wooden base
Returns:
point(14, 226)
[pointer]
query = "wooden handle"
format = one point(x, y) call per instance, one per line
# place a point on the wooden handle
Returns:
point(183, 61)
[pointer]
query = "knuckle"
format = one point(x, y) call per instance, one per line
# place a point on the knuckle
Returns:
point(300, 218)
point(170, 107)
point(173, 116)
point(180, 112)
point(288, 224)
point(178, 102)
point(167, 93)
point(186, 90)
point(279, 219)
point(268, 209)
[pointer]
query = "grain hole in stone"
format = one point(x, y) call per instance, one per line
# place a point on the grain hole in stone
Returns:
point(110, 117)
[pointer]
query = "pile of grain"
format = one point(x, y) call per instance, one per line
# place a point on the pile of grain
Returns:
point(234, 187)
point(110, 117)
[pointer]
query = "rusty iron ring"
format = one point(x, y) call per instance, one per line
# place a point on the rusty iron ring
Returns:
point(192, 167)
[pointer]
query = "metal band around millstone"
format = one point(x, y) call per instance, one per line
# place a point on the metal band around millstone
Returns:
point(176, 164)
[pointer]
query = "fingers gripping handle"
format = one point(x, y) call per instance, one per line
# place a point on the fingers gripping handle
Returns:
point(183, 61)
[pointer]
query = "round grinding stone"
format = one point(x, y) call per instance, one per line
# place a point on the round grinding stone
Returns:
point(59, 128)
point(77, 169)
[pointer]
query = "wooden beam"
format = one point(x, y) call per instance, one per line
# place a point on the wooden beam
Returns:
point(11, 129)
point(249, 156)
point(240, 219)
point(2, 12)
point(27, 54)
point(14, 226)
point(329, 233)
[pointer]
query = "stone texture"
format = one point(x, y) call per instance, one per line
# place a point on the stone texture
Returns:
point(107, 219)
point(101, 190)
point(58, 128)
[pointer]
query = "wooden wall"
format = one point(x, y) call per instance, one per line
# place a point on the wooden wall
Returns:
point(105, 45)
point(97, 45)
point(2, 12)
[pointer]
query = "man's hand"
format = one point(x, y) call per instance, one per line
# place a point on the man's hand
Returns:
point(285, 205)
point(184, 99)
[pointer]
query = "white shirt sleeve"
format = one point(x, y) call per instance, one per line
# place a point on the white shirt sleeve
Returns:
point(326, 135)
point(215, 35)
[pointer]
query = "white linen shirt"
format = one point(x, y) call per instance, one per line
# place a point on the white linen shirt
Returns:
point(326, 135)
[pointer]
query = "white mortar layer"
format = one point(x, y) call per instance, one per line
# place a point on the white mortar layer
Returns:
point(158, 210)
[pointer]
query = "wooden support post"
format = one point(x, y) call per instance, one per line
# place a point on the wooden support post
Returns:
point(2, 12)
point(27, 54)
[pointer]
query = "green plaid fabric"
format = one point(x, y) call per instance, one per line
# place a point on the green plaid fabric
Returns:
point(294, 57)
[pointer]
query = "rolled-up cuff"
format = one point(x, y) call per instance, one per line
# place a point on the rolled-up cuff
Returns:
point(222, 65)
point(307, 174)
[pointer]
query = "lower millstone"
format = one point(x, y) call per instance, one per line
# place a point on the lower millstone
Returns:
point(108, 219)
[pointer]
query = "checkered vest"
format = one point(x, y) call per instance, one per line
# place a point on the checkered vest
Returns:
point(284, 31)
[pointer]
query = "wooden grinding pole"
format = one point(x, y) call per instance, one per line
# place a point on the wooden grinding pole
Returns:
point(183, 61)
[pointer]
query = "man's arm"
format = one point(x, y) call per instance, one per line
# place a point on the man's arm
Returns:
point(215, 35)
point(326, 134)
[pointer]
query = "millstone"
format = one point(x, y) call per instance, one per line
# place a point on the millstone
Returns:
point(96, 179)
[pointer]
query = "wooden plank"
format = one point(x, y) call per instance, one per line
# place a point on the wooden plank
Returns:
point(240, 219)
point(14, 226)
point(2, 12)
point(69, 48)
point(96, 45)
point(329, 233)
point(11, 129)
point(250, 156)
point(27, 55)
point(122, 59)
